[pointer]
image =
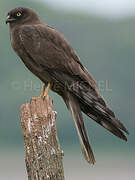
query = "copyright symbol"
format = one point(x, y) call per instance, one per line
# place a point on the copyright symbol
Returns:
point(16, 85)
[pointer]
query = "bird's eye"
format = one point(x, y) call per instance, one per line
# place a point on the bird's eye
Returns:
point(18, 14)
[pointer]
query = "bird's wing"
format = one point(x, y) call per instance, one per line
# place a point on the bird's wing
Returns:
point(49, 47)
point(91, 104)
point(51, 52)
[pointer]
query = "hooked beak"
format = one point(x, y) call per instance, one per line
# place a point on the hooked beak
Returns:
point(9, 19)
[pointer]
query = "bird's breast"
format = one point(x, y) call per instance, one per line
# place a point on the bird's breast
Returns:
point(15, 40)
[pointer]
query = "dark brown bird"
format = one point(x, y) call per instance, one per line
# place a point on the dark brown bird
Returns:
point(48, 55)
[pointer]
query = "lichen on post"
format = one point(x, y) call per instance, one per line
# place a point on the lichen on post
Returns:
point(43, 152)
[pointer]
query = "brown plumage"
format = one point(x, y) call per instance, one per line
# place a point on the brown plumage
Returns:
point(48, 55)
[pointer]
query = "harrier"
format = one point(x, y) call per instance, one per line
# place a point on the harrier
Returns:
point(48, 55)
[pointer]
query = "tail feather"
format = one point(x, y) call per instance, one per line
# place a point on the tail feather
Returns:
point(74, 107)
point(93, 105)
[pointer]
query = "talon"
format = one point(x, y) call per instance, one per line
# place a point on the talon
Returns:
point(35, 98)
point(43, 93)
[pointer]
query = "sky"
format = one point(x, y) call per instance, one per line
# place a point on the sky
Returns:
point(102, 7)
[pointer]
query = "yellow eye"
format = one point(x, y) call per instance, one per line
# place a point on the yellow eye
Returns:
point(8, 17)
point(18, 14)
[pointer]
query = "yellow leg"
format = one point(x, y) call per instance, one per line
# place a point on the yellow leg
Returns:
point(47, 90)
point(42, 93)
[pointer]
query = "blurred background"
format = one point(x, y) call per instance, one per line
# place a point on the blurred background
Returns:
point(103, 34)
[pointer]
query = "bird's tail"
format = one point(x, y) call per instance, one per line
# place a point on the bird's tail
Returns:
point(75, 110)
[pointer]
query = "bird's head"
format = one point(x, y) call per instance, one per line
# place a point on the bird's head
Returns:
point(21, 15)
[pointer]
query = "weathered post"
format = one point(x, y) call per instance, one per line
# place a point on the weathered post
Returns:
point(43, 153)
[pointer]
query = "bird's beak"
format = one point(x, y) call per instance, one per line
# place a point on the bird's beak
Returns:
point(9, 19)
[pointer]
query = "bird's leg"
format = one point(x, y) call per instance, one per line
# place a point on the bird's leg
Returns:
point(42, 93)
point(47, 90)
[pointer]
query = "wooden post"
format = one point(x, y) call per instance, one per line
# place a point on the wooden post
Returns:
point(43, 153)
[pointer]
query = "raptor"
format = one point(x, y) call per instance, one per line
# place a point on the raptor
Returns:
point(48, 55)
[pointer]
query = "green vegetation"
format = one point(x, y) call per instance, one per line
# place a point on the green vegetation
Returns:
point(106, 47)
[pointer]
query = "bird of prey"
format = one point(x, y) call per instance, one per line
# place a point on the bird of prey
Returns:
point(48, 55)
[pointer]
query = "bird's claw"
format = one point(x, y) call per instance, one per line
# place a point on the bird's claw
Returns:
point(35, 98)
point(41, 97)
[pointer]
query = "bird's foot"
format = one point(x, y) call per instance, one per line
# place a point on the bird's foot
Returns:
point(43, 93)
point(35, 98)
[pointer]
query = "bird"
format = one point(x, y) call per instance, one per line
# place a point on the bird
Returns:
point(49, 56)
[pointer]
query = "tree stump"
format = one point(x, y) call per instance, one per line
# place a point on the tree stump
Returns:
point(43, 153)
